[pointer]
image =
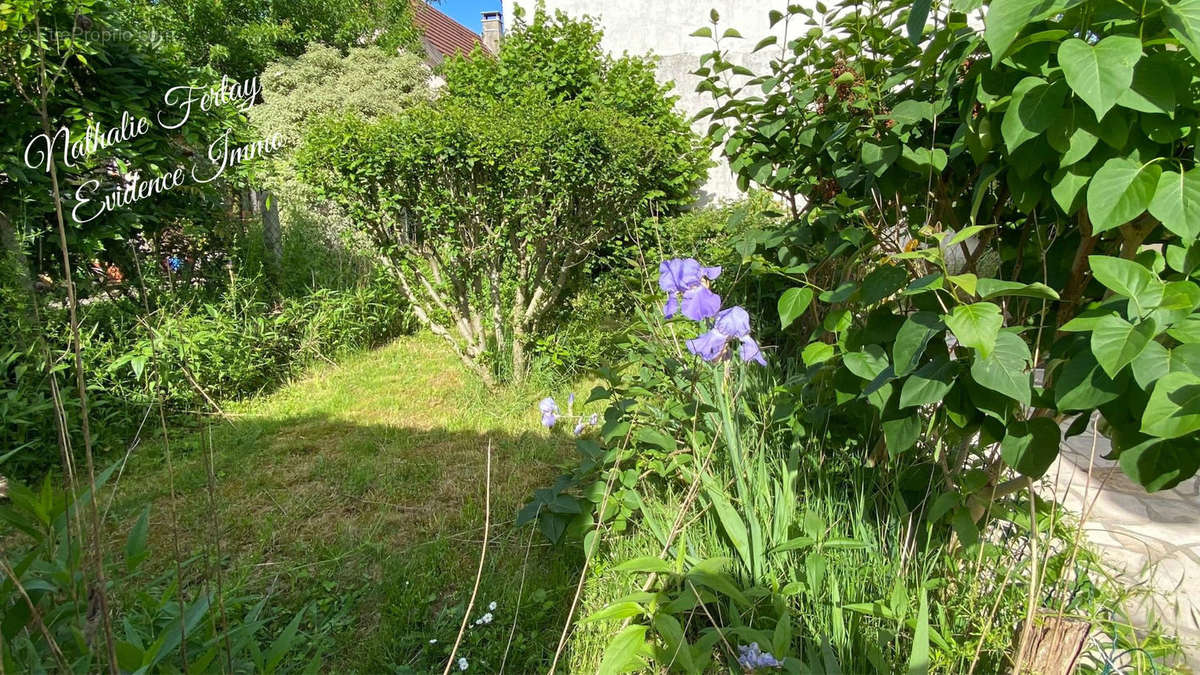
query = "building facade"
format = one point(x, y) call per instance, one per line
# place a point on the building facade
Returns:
point(664, 29)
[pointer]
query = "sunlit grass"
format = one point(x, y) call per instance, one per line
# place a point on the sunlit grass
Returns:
point(357, 493)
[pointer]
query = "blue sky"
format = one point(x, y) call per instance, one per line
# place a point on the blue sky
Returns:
point(467, 12)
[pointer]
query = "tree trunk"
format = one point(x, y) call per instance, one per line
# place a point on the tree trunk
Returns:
point(1054, 646)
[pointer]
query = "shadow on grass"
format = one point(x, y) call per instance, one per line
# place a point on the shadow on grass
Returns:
point(374, 530)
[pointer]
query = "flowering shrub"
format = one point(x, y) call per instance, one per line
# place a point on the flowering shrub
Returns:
point(992, 248)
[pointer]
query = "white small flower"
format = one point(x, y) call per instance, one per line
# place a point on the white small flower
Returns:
point(433, 641)
point(462, 664)
point(492, 607)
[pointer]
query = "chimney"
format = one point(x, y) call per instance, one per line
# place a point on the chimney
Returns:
point(491, 31)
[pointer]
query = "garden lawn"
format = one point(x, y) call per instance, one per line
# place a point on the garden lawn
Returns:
point(357, 494)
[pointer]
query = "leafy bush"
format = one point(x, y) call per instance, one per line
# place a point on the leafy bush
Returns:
point(241, 38)
point(233, 346)
point(969, 208)
point(489, 202)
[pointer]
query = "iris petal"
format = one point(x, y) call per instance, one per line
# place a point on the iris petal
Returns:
point(708, 346)
point(700, 303)
point(672, 305)
point(750, 351)
point(734, 322)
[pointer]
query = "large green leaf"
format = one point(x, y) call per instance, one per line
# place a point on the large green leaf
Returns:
point(792, 304)
point(1177, 203)
point(1006, 18)
point(1160, 465)
point(1034, 106)
point(976, 325)
point(817, 352)
point(1031, 446)
point(1006, 369)
point(1073, 133)
point(1152, 90)
point(625, 651)
point(1099, 74)
point(868, 363)
point(1153, 363)
point(1179, 300)
point(1120, 191)
point(1174, 406)
point(1068, 184)
point(1083, 385)
point(929, 384)
point(878, 158)
point(1156, 361)
point(1183, 17)
point(1187, 331)
point(917, 14)
point(1128, 279)
point(901, 434)
point(911, 339)
point(1116, 342)
point(993, 288)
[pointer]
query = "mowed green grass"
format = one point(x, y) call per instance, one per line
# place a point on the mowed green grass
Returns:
point(358, 494)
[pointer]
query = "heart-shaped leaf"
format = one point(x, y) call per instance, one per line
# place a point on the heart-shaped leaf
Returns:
point(1152, 90)
point(1174, 406)
point(1006, 18)
point(1100, 74)
point(1129, 280)
point(976, 325)
point(1177, 203)
point(1116, 342)
point(1031, 446)
point(1006, 369)
point(1159, 465)
point(1120, 191)
point(792, 304)
point(929, 384)
point(1034, 106)
point(1068, 184)
point(1082, 385)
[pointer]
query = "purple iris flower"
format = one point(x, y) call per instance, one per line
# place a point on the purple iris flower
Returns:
point(685, 277)
point(731, 324)
point(549, 411)
point(752, 658)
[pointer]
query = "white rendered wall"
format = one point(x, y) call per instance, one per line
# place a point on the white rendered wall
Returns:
point(663, 28)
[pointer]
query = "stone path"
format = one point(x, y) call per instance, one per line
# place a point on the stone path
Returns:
point(1149, 540)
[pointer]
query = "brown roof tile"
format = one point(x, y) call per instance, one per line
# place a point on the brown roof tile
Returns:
point(443, 34)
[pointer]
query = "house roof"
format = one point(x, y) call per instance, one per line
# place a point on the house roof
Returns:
point(443, 36)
